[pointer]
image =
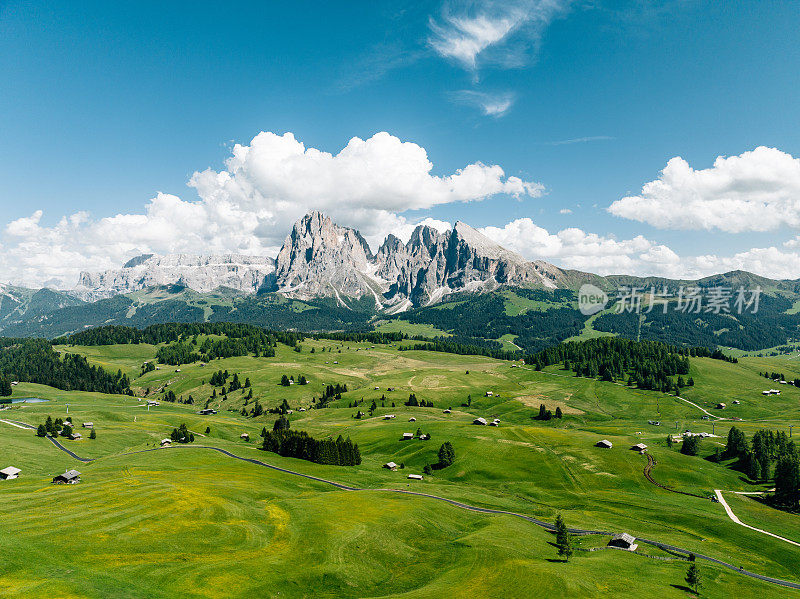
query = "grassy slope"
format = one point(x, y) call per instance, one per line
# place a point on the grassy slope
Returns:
point(192, 522)
point(410, 328)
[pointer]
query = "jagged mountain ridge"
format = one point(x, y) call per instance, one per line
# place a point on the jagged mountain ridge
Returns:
point(246, 274)
point(320, 258)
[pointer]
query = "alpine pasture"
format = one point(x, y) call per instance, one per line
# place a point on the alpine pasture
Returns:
point(190, 521)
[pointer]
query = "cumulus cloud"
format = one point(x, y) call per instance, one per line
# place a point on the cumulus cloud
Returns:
point(365, 185)
point(498, 32)
point(494, 104)
point(577, 249)
point(757, 190)
point(250, 205)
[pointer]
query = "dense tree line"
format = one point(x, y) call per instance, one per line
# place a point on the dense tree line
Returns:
point(177, 331)
point(363, 337)
point(648, 364)
point(450, 346)
point(35, 361)
point(299, 444)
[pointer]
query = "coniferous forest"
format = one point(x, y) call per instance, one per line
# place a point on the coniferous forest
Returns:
point(648, 364)
point(299, 444)
point(35, 361)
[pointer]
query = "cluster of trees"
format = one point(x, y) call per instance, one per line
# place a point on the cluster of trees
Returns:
point(182, 434)
point(5, 386)
point(545, 414)
point(691, 445)
point(281, 424)
point(59, 427)
point(648, 364)
point(299, 444)
point(219, 378)
point(288, 380)
point(756, 459)
point(51, 427)
point(172, 398)
point(414, 402)
point(281, 409)
point(331, 392)
point(447, 455)
point(236, 384)
point(778, 376)
point(255, 411)
point(35, 361)
point(334, 391)
point(718, 354)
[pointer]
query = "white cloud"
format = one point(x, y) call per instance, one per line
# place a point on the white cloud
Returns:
point(495, 104)
point(574, 248)
point(580, 140)
point(463, 38)
point(250, 206)
point(365, 185)
point(757, 190)
point(469, 33)
point(565, 211)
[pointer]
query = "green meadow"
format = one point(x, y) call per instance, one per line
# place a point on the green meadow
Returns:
point(189, 521)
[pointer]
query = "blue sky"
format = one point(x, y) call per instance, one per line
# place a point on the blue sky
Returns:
point(104, 106)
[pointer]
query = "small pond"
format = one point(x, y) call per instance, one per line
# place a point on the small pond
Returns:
point(23, 400)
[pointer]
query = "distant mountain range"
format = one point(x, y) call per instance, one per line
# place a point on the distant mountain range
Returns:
point(322, 259)
point(326, 277)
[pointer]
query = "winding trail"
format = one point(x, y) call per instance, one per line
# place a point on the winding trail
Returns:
point(464, 506)
point(53, 440)
point(733, 517)
point(699, 408)
point(651, 461)
point(482, 510)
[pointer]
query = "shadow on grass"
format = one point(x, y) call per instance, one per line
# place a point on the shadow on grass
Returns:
point(683, 587)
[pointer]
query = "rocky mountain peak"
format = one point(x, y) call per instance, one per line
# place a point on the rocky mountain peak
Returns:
point(320, 258)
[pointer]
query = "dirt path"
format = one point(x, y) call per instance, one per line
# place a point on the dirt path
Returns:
point(699, 408)
point(648, 475)
point(733, 517)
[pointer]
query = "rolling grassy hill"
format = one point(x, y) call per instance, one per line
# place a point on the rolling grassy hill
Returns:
point(194, 522)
